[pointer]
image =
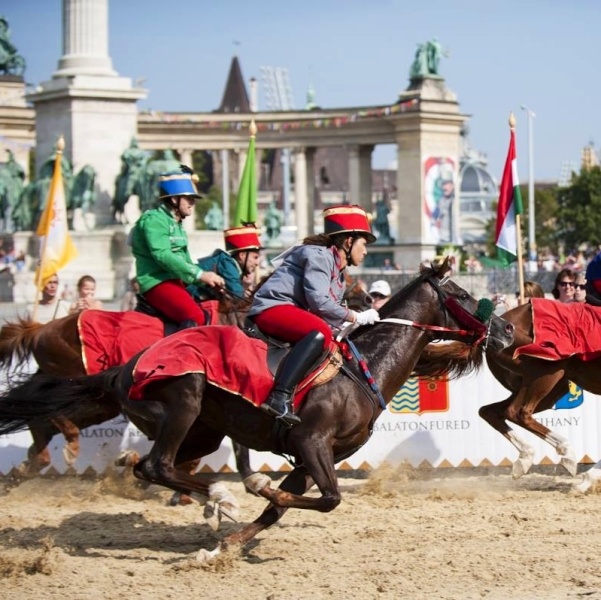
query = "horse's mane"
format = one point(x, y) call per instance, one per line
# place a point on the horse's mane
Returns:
point(231, 303)
point(451, 360)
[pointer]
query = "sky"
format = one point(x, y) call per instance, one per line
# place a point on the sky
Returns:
point(542, 54)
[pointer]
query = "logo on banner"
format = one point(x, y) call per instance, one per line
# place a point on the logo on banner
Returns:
point(573, 399)
point(421, 395)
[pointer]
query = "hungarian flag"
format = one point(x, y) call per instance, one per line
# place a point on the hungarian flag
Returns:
point(56, 246)
point(510, 205)
point(246, 203)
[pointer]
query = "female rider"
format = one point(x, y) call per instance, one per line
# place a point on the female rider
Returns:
point(302, 300)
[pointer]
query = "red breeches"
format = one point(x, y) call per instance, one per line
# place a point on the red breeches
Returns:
point(171, 299)
point(292, 324)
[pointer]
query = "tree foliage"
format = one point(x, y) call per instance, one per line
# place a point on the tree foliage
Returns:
point(579, 210)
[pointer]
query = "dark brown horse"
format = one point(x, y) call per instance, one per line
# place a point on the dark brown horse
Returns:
point(57, 349)
point(188, 417)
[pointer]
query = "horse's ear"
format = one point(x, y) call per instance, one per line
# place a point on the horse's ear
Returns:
point(444, 267)
point(424, 266)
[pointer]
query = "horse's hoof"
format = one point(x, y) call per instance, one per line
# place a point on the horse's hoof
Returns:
point(225, 500)
point(519, 469)
point(570, 465)
point(69, 456)
point(584, 485)
point(127, 458)
point(212, 515)
point(179, 499)
point(256, 482)
point(205, 557)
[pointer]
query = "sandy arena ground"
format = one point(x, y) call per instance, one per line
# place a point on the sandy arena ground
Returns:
point(395, 535)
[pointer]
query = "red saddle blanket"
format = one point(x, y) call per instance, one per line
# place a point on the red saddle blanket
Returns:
point(228, 358)
point(564, 330)
point(109, 339)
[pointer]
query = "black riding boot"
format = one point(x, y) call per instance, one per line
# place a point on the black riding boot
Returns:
point(290, 372)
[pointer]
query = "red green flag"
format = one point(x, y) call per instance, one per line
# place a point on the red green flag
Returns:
point(510, 205)
point(246, 202)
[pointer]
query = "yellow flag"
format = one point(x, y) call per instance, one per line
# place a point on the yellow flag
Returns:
point(56, 246)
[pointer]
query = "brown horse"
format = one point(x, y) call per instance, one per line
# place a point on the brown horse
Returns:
point(57, 349)
point(188, 416)
point(535, 384)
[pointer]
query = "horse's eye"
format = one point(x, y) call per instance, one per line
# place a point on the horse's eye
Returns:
point(463, 297)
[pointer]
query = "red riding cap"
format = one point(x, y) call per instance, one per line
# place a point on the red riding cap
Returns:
point(350, 219)
point(242, 238)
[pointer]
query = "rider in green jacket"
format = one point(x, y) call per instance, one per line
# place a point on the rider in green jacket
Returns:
point(160, 247)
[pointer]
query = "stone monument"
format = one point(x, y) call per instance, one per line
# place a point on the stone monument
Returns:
point(428, 161)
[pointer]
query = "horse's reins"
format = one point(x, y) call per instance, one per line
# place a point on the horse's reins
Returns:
point(479, 328)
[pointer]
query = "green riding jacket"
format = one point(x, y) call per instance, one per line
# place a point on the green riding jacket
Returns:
point(160, 246)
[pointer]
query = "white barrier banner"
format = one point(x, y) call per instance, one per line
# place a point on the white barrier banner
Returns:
point(435, 423)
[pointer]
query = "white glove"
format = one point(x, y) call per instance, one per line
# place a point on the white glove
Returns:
point(367, 317)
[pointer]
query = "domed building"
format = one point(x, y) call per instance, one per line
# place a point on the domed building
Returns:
point(478, 190)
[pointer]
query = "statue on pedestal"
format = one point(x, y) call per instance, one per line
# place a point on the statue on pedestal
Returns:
point(214, 218)
point(12, 176)
point(83, 198)
point(427, 60)
point(273, 224)
point(11, 63)
point(133, 161)
point(381, 222)
point(146, 184)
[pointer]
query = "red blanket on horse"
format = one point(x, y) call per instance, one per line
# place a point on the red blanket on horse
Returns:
point(564, 330)
point(228, 358)
point(109, 339)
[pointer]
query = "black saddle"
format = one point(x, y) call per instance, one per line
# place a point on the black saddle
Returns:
point(277, 349)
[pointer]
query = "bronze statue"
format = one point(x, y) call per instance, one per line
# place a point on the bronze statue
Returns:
point(83, 194)
point(133, 161)
point(273, 223)
point(12, 176)
point(427, 60)
point(214, 218)
point(11, 63)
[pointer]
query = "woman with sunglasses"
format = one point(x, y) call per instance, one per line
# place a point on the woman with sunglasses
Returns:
point(564, 289)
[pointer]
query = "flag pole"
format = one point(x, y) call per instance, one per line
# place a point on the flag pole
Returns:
point(518, 233)
point(60, 146)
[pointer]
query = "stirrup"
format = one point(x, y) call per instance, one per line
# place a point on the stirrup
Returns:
point(288, 418)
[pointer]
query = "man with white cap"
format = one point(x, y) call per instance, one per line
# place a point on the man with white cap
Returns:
point(380, 292)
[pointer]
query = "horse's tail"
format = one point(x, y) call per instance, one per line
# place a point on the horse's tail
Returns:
point(17, 342)
point(449, 359)
point(40, 398)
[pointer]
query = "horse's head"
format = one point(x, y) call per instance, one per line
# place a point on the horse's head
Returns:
point(445, 310)
point(355, 295)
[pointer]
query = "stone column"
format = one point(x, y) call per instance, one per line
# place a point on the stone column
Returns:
point(301, 201)
point(185, 157)
point(360, 176)
point(85, 39)
point(310, 157)
point(87, 102)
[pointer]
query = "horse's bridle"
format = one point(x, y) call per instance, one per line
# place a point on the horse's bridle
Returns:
point(451, 308)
